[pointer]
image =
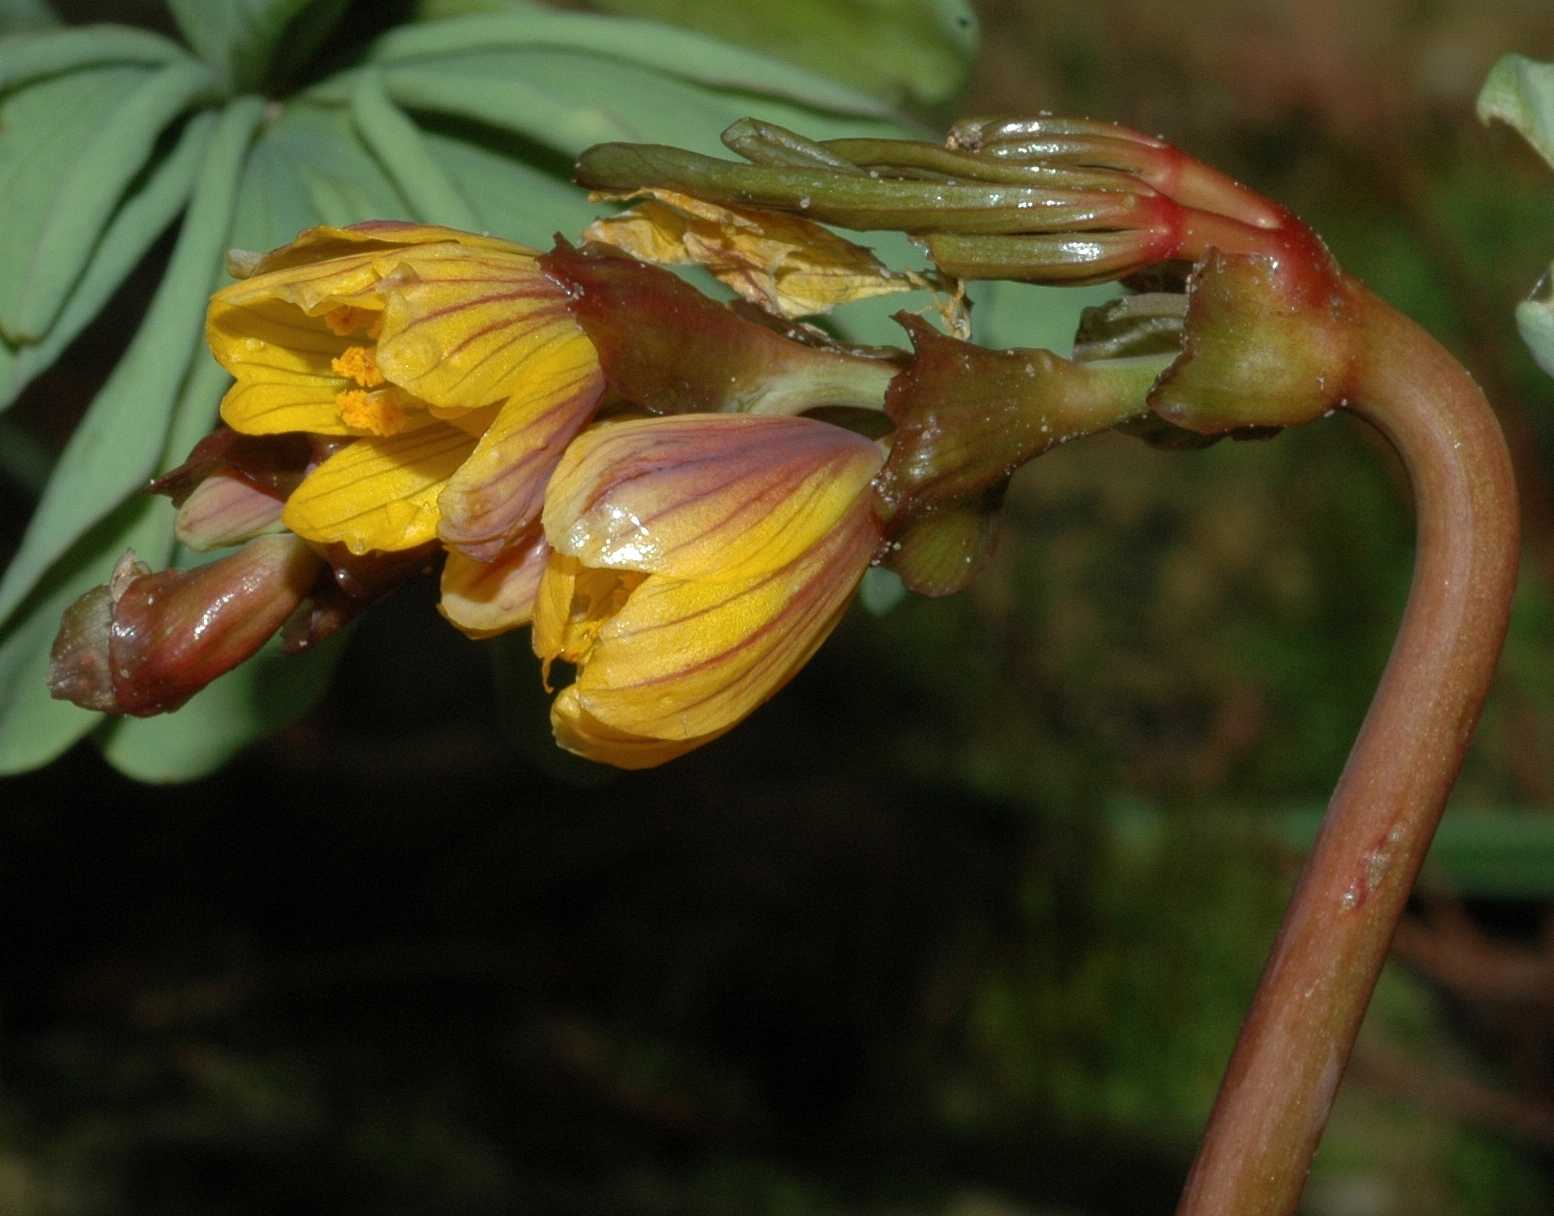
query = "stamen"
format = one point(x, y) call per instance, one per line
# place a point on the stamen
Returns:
point(358, 364)
point(373, 412)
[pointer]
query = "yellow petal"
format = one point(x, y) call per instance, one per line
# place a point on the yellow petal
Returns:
point(581, 733)
point(788, 265)
point(685, 659)
point(460, 328)
point(286, 401)
point(571, 606)
point(705, 496)
point(328, 241)
point(281, 358)
point(380, 493)
point(497, 493)
point(483, 599)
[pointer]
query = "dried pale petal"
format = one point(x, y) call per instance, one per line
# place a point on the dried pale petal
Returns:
point(226, 509)
point(685, 659)
point(459, 331)
point(483, 599)
point(79, 666)
point(788, 265)
point(581, 733)
point(705, 496)
point(380, 493)
point(496, 495)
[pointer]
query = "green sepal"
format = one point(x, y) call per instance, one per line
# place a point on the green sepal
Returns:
point(143, 216)
point(239, 38)
point(116, 446)
point(942, 552)
point(1260, 348)
point(967, 417)
point(65, 183)
point(1520, 92)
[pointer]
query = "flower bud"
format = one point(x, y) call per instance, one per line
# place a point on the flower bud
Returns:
point(147, 642)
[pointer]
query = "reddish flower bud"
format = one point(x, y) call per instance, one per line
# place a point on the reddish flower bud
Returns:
point(145, 643)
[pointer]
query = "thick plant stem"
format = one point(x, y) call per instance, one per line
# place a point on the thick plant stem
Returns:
point(1295, 1043)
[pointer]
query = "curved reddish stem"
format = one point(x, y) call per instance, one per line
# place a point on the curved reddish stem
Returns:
point(1295, 1043)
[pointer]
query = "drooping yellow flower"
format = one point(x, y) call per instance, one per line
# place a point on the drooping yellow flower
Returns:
point(450, 358)
point(698, 561)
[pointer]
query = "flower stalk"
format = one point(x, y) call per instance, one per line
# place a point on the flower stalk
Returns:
point(1311, 999)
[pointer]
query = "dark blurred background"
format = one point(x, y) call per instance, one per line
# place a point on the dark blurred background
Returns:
point(964, 921)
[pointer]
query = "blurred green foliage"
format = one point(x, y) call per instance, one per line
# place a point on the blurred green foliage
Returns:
point(961, 923)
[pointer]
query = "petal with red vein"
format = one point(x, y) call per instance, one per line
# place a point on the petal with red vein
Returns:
point(705, 496)
point(685, 659)
point(496, 496)
point(380, 493)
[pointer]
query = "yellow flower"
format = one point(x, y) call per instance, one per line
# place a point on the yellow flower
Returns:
point(698, 561)
point(451, 359)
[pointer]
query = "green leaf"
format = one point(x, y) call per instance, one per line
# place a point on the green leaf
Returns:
point(17, 16)
point(511, 198)
point(536, 93)
point(313, 157)
point(45, 51)
point(1520, 91)
point(144, 215)
point(266, 693)
point(116, 446)
point(64, 174)
point(443, 10)
point(902, 50)
point(34, 728)
point(682, 54)
point(1535, 319)
point(396, 142)
point(239, 38)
